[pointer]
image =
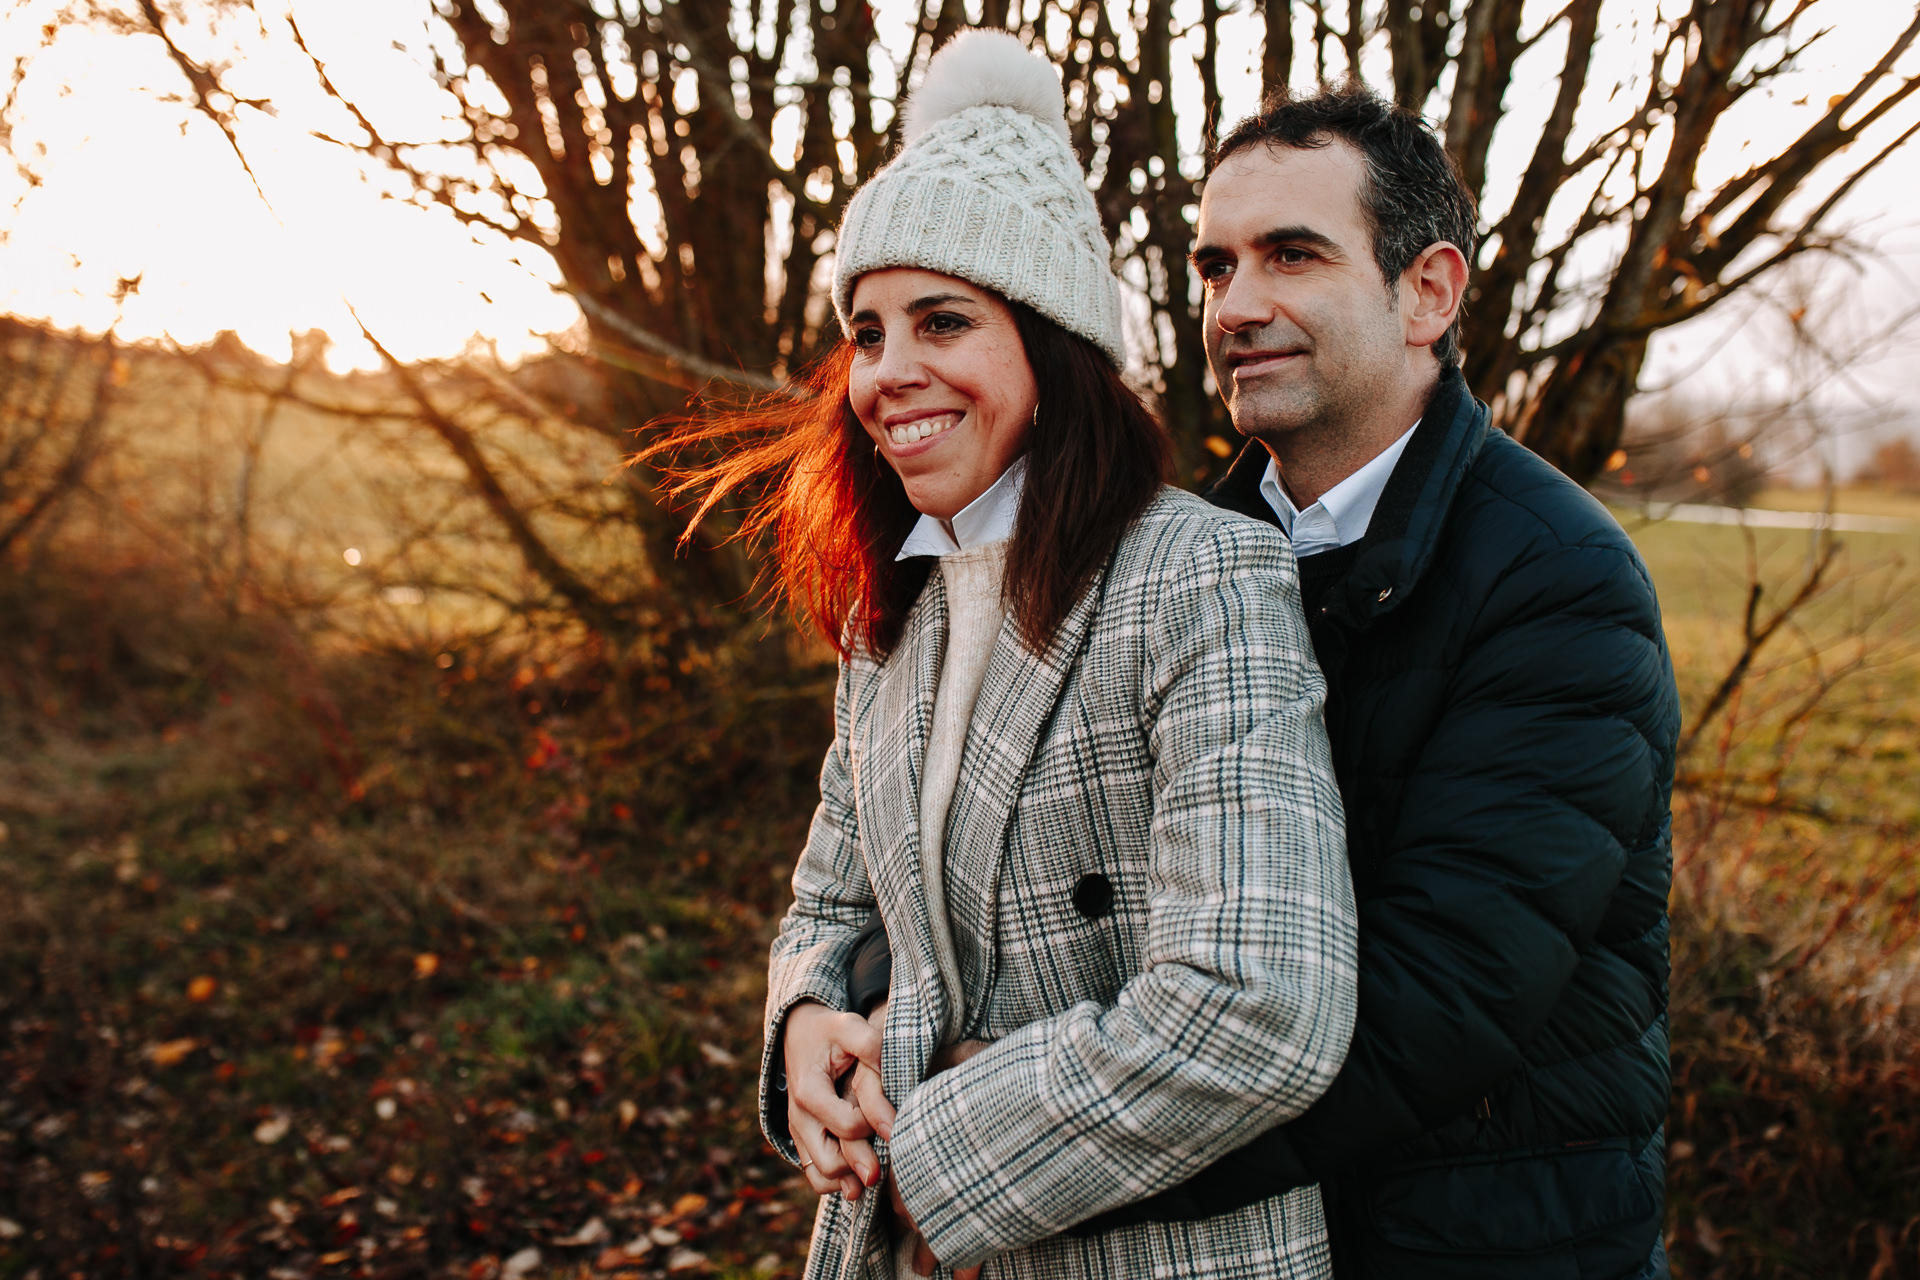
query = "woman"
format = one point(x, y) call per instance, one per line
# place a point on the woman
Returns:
point(1078, 759)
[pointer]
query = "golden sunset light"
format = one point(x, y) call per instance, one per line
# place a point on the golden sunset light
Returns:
point(132, 183)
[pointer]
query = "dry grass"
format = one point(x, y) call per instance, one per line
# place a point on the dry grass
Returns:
point(342, 935)
point(1795, 1130)
point(360, 964)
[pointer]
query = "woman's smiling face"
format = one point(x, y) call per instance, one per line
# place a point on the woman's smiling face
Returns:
point(941, 382)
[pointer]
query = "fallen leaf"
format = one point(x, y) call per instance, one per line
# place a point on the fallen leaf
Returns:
point(272, 1129)
point(629, 1112)
point(520, 1264)
point(170, 1053)
point(201, 989)
point(425, 965)
point(685, 1260)
point(664, 1237)
point(1706, 1236)
point(340, 1197)
point(335, 1258)
point(691, 1203)
point(593, 1231)
point(10, 1230)
point(716, 1055)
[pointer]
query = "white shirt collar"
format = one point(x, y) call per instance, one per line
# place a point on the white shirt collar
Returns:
point(988, 518)
point(1342, 514)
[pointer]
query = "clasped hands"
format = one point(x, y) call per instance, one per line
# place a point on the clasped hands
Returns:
point(835, 1106)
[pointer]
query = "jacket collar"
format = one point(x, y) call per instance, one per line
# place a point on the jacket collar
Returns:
point(1400, 540)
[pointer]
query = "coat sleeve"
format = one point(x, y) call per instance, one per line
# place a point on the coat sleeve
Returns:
point(832, 899)
point(1242, 1011)
point(1548, 764)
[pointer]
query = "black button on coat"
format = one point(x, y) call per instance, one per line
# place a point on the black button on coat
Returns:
point(1503, 718)
point(1092, 895)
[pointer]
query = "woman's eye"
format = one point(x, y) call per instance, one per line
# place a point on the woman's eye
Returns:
point(946, 322)
point(867, 336)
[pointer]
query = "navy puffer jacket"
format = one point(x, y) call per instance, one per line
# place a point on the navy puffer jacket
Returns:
point(1503, 718)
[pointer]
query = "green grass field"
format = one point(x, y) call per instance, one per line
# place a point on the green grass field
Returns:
point(1794, 1139)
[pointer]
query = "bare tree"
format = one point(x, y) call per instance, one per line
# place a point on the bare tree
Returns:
point(55, 395)
point(684, 164)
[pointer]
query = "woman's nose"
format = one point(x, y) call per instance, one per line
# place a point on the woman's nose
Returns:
point(900, 369)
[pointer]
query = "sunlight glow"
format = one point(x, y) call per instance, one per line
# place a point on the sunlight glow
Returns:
point(133, 184)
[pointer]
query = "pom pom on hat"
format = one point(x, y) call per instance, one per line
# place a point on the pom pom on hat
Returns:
point(985, 68)
point(986, 188)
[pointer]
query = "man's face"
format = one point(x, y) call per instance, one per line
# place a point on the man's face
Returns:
point(1301, 331)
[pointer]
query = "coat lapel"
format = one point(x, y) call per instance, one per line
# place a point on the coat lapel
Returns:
point(1016, 703)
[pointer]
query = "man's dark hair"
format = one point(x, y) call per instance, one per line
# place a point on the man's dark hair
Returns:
point(1414, 196)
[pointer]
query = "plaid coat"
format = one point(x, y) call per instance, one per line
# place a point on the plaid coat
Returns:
point(1148, 891)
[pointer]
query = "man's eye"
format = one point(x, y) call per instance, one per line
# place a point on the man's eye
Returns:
point(1294, 257)
point(1214, 272)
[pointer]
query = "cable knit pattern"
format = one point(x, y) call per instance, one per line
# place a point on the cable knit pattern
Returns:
point(993, 195)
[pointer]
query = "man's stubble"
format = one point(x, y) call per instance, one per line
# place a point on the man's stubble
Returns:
point(1328, 412)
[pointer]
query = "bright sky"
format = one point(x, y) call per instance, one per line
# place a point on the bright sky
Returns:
point(135, 183)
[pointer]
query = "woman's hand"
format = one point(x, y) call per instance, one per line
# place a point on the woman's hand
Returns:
point(864, 1087)
point(829, 1130)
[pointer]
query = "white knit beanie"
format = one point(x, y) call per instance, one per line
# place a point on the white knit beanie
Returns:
point(986, 187)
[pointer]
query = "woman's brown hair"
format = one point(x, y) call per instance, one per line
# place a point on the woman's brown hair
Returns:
point(837, 514)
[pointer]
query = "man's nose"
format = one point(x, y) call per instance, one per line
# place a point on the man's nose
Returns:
point(1241, 304)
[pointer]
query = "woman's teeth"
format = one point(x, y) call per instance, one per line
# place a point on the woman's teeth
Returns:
point(914, 432)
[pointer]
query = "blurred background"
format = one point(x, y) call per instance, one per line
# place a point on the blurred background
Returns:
point(392, 824)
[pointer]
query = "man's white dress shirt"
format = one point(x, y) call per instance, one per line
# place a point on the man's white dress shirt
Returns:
point(1342, 514)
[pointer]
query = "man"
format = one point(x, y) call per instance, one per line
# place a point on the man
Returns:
point(1503, 720)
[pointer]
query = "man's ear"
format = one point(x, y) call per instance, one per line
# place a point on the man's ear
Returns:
point(1431, 291)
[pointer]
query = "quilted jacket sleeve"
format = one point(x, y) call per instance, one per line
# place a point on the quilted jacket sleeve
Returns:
point(832, 899)
point(1243, 1010)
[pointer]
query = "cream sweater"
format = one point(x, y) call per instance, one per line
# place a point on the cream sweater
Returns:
point(975, 612)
